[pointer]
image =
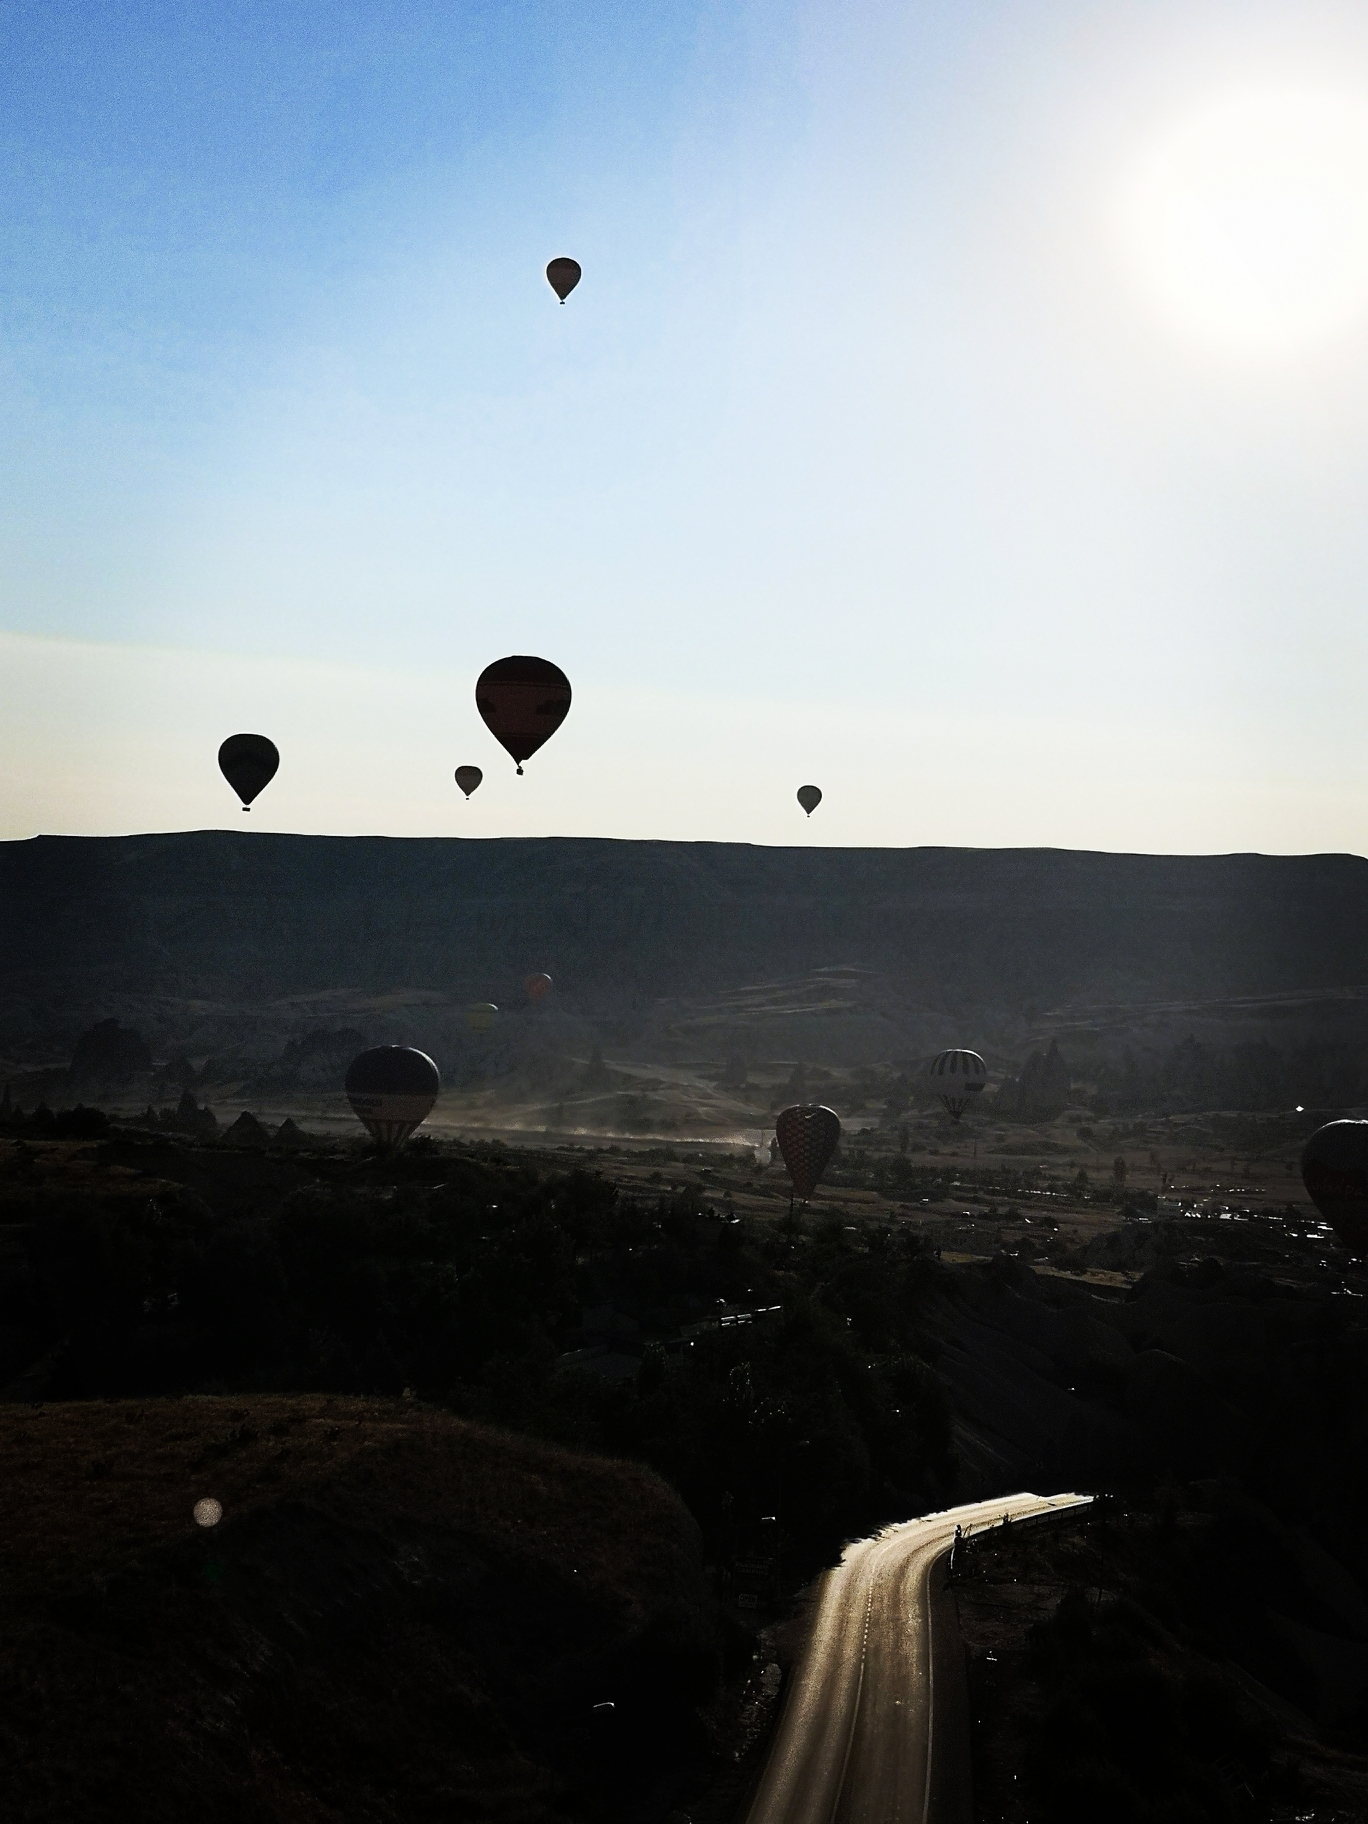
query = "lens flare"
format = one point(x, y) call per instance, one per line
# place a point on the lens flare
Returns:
point(1247, 222)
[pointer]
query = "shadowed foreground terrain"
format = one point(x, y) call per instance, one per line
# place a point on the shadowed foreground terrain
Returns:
point(955, 1316)
point(400, 1616)
point(1119, 1666)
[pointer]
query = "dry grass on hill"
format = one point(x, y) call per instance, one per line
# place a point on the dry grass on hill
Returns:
point(399, 1616)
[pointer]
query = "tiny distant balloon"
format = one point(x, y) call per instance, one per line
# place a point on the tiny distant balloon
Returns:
point(809, 796)
point(807, 1134)
point(208, 1512)
point(957, 1075)
point(535, 986)
point(1334, 1167)
point(481, 1016)
point(562, 275)
point(468, 777)
point(523, 702)
point(248, 763)
point(392, 1089)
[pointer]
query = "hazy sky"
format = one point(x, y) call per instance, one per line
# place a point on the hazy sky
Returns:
point(965, 408)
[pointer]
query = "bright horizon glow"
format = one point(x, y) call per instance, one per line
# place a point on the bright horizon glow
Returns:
point(372, 750)
point(1248, 220)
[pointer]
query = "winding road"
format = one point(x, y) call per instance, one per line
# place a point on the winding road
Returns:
point(875, 1728)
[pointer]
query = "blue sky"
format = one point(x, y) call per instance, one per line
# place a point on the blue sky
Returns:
point(888, 440)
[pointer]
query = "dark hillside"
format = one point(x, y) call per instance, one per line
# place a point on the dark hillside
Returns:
point(156, 927)
point(400, 1616)
point(1133, 1666)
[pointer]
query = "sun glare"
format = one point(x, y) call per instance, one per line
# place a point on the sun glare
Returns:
point(1247, 221)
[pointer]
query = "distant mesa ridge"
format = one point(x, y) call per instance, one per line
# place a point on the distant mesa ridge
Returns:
point(217, 912)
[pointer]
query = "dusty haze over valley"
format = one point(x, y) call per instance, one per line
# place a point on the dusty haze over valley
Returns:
point(691, 980)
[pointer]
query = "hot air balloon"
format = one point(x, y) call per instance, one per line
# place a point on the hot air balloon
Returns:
point(562, 275)
point(468, 777)
point(392, 1089)
point(957, 1075)
point(248, 763)
point(809, 796)
point(481, 1016)
point(807, 1134)
point(1334, 1166)
point(523, 701)
point(536, 986)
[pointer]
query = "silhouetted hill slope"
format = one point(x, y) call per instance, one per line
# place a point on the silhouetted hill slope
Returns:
point(400, 1616)
point(248, 918)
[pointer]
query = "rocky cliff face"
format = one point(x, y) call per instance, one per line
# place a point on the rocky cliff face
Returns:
point(868, 952)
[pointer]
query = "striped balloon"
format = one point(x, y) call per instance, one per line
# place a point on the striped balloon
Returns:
point(392, 1089)
point(957, 1075)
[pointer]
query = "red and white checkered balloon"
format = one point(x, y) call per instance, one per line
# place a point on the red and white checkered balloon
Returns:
point(807, 1134)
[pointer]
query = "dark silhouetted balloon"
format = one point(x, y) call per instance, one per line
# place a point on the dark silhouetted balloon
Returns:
point(523, 702)
point(481, 1016)
point(392, 1090)
point(809, 796)
point(957, 1075)
point(248, 763)
point(1334, 1166)
point(562, 275)
point(536, 986)
point(468, 777)
point(807, 1134)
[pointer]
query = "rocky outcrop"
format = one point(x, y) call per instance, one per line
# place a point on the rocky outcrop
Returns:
point(108, 1057)
point(318, 1060)
point(246, 1131)
point(1042, 1090)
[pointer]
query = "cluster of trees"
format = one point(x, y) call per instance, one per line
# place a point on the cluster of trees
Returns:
point(187, 1117)
point(1255, 1075)
point(83, 1123)
point(1041, 1091)
point(1130, 1733)
point(468, 1282)
point(1136, 1686)
point(44, 1123)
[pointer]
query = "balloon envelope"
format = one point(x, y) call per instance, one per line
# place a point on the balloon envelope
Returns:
point(807, 1134)
point(562, 275)
point(957, 1075)
point(536, 986)
point(248, 763)
point(523, 702)
point(1334, 1166)
point(809, 796)
point(468, 777)
point(481, 1016)
point(392, 1089)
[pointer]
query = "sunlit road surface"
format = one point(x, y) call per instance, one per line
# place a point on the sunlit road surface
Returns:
point(875, 1729)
